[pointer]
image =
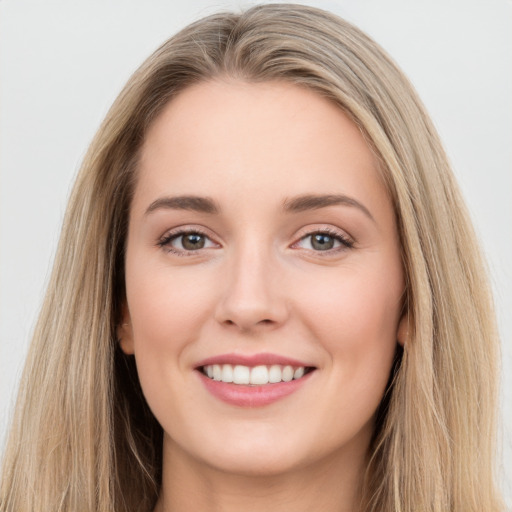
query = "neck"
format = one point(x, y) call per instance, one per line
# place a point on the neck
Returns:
point(331, 485)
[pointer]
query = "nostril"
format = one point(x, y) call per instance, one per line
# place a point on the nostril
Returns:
point(266, 321)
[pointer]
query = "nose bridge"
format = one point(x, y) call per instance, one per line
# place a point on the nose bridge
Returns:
point(251, 295)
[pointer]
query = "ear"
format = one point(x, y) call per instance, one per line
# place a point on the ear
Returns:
point(124, 332)
point(402, 334)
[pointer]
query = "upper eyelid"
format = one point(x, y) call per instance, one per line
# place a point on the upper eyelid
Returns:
point(205, 231)
point(173, 233)
point(345, 241)
point(331, 230)
point(184, 230)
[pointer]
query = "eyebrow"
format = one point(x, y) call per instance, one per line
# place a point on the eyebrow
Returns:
point(291, 205)
point(316, 201)
point(191, 203)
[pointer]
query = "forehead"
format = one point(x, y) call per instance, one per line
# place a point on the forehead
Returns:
point(260, 139)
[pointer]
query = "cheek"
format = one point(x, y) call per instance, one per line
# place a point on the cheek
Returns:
point(356, 325)
point(167, 312)
point(166, 308)
point(353, 303)
point(354, 316)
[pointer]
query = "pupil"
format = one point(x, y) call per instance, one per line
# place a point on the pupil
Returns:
point(193, 241)
point(322, 242)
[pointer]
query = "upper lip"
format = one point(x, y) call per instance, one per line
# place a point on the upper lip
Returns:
point(263, 358)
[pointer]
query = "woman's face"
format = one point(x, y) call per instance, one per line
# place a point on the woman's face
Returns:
point(262, 247)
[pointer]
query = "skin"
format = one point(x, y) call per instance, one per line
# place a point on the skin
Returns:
point(259, 285)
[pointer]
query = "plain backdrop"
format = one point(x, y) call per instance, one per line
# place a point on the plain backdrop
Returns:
point(62, 63)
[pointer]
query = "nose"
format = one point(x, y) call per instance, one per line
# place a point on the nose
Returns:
point(253, 297)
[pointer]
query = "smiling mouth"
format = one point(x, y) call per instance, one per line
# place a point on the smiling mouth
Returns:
point(254, 375)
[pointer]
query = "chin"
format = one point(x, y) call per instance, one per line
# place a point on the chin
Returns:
point(258, 454)
point(256, 464)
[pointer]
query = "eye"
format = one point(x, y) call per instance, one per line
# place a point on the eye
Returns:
point(185, 241)
point(325, 240)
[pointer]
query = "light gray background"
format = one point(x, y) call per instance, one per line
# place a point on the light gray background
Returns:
point(62, 63)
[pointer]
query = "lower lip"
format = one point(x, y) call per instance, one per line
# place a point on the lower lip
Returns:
point(252, 396)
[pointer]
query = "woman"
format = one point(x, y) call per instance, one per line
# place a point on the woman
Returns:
point(267, 294)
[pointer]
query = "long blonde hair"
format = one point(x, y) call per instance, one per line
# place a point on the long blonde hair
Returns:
point(83, 437)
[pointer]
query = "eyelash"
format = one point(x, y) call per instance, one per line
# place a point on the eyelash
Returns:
point(346, 243)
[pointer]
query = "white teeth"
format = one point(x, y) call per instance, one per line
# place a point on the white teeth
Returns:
point(241, 374)
point(227, 373)
point(287, 373)
point(256, 376)
point(298, 373)
point(275, 373)
point(259, 375)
